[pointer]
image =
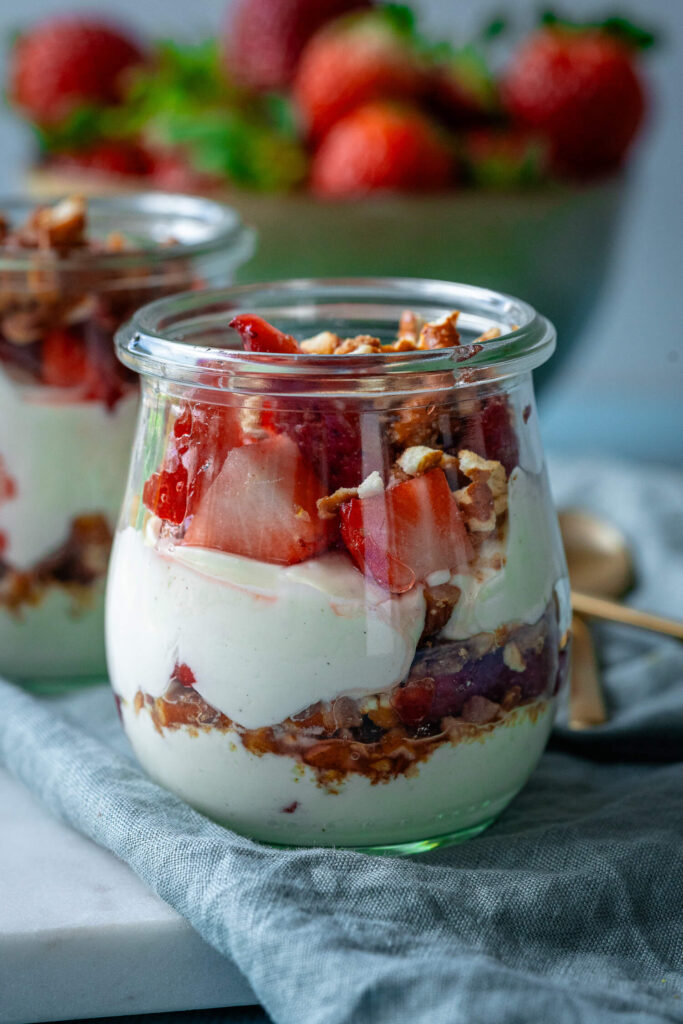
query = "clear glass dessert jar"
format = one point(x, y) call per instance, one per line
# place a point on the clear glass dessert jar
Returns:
point(337, 608)
point(69, 276)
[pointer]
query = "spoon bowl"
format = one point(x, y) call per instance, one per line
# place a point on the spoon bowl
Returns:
point(597, 553)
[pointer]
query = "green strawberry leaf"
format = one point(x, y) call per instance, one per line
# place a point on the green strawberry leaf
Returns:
point(621, 29)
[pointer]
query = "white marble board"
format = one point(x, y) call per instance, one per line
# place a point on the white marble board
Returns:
point(82, 936)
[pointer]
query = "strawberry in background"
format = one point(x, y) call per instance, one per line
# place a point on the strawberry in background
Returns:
point(339, 97)
point(264, 38)
point(578, 87)
point(68, 61)
point(356, 60)
point(382, 146)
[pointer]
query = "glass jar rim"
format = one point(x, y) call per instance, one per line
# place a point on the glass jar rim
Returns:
point(201, 226)
point(159, 339)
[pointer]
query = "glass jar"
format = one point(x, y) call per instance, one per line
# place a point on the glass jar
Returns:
point(68, 408)
point(337, 609)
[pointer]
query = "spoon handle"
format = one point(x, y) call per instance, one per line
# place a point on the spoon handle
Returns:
point(612, 611)
point(586, 699)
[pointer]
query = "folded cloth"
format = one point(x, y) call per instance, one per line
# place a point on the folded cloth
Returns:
point(569, 909)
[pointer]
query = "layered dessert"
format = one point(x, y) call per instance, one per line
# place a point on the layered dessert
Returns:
point(67, 414)
point(340, 620)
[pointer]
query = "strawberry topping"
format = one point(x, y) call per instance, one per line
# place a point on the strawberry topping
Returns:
point(262, 505)
point(260, 336)
point(401, 536)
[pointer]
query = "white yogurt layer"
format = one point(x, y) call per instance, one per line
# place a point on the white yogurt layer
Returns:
point(67, 459)
point(263, 641)
point(534, 562)
point(458, 787)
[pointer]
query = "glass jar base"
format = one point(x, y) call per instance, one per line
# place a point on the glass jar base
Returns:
point(425, 845)
point(409, 849)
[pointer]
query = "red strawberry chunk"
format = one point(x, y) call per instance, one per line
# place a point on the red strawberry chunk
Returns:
point(201, 437)
point(410, 531)
point(262, 505)
point(183, 674)
point(65, 362)
point(413, 702)
point(260, 336)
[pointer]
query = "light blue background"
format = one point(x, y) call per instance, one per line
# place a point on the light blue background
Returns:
point(623, 391)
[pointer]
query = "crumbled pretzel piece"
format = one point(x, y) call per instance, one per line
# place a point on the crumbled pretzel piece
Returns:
point(476, 506)
point(415, 425)
point(420, 459)
point(441, 333)
point(250, 418)
point(485, 498)
point(323, 344)
point(373, 484)
point(490, 335)
point(512, 656)
point(362, 344)
point(62, 226)
point(409, 327)
point(401, 345)
point(23, 326)
point(329, 505)
point(488, 471)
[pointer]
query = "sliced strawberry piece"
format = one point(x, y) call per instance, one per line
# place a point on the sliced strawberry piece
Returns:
point(201, 437)
point(260, 336)
point(183, 674)
point(403, 535)
point(262, 505)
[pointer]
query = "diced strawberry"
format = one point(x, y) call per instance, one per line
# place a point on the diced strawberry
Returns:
point(499, 433)
point(260, 336)
point(403, 535)
point(65, 362)
point(183, 674)
point(262, 505)
point(413, 702)
point(201, 437)
point(8, 487)
point(165, 494)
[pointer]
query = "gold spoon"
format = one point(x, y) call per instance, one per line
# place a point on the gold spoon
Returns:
point(599, 563)
point(601, 569)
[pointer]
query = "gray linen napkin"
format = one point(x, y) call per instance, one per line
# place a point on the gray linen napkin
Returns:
point(569, 909)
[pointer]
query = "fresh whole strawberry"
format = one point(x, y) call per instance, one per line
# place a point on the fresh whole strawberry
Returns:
point(68, 61)
point(357, 60)
point(581, 90)
point(382, 147)
point(264, 38)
